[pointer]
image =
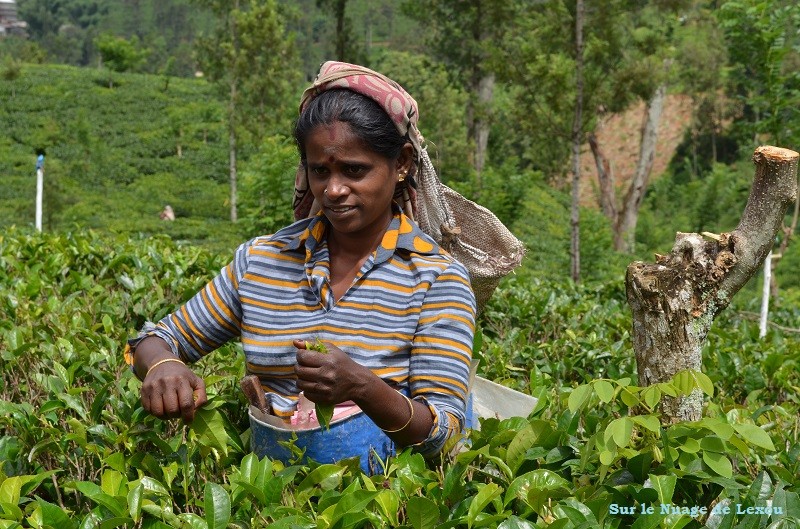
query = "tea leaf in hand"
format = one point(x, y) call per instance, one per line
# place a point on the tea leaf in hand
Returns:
point(324, 411)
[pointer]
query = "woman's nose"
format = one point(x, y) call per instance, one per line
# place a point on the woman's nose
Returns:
point(336, 188)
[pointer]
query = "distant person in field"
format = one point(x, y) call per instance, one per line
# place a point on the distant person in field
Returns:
point(395, 311)
point(167, 213)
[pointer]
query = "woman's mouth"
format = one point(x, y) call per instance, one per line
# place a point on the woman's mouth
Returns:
point(340, 210)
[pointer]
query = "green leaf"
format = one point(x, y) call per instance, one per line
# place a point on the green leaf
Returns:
point(388, 502)
point(665, 486)
point(712, 443)
point(135, 502)
point(604, 390)
point(579, 397)
point(517, 448)
point(607, 457)
point(649, 422)
point(54, 516)
point(194, 521)
point(11, 487)
point(326, 477)
point(544, 485)
point(629, 398)
point(648, 521)
point(754, 435)
point(486, 493)
point(690, 445)
point(684, 382)
point(514, 522)
point(719, 463)
point(217, 505)
point(620, 431)
point(651, 396)
point(324, 414)
point(209, 426)
point(703, 382)
point(422, 513)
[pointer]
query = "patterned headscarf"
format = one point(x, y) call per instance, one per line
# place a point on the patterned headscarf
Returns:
point(398, 104)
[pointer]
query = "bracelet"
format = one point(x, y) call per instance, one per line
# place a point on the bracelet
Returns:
point(164, 361)
point(410, 407)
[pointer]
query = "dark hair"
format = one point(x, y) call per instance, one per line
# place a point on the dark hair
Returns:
point(367, 119)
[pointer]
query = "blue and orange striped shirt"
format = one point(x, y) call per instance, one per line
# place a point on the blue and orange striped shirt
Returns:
point(409, 316)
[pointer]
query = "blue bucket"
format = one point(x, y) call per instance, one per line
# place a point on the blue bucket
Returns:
point(352, 436)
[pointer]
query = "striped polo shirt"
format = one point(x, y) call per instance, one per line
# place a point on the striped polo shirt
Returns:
point(409, 316)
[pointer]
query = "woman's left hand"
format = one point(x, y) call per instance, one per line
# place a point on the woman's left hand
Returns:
point(329, 378)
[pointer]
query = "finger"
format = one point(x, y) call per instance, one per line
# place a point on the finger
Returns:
point(199, 392)
point(309, 358)
point(171, 398)
point(186, 402)
point(299, 344)
point(146, 404)
point(155, 403)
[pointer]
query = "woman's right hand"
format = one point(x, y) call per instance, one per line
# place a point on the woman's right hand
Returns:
point(172, 390)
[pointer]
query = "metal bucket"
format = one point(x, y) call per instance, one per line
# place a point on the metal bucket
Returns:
point(352, 436)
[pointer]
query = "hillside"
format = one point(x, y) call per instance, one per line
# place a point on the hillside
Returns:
point(619, 135)
point(114, 156)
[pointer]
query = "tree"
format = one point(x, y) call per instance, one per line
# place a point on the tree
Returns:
point(675, 300)
point(250, 56)
point(11, 71)
point(569, 68)
point(465, 34)
point(118, 54)
point(347, 49)
point(764, 47)
point(577, 140)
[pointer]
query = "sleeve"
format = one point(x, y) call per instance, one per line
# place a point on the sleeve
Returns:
point(441, 355)
point(208, 320)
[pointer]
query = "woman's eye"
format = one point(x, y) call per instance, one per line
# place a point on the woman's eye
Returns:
point(354, 169)
point(318, 170)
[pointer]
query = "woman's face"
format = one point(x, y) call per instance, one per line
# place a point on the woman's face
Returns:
point(353, 185)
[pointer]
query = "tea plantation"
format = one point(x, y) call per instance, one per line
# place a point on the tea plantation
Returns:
point(77, 450)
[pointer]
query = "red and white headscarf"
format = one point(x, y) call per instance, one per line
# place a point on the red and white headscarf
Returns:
point(398, 104)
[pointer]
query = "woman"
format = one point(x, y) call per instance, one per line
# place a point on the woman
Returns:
point(395, 312)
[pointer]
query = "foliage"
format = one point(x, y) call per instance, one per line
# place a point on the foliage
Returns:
point(268, 186)
point(542, 223)
point(118, 54)
point(77, 450)
point(115, 157)
point(251, 57)
point(763, 45)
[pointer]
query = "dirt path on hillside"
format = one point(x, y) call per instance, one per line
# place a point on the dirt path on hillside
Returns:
point(619, 137)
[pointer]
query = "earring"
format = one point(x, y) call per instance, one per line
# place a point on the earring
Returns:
point(401, 176)
point(325, 192)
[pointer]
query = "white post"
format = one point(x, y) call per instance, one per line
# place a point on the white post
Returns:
point(762, 325)
point(39, 193)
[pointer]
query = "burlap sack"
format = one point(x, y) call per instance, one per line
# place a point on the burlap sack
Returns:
point(470, 232)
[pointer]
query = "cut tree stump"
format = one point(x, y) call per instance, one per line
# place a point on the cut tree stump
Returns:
point(675, 300)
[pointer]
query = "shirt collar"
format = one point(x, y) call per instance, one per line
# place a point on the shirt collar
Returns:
point(402, 234)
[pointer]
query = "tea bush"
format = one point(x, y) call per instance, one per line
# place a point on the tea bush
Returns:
point(78, 451)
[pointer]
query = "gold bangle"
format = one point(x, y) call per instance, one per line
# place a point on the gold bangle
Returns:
point(410, 407)
point(164, 361)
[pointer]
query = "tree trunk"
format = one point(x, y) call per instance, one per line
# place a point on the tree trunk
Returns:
point(675, 300)
point(232, 121)
point(482, 124)
point(232, 152)
point(605, 176)
point(577, 137)
point(625, 229)
point(341, 38)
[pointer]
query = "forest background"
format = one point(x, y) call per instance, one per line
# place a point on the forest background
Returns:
point(595, 151)
point(500, 129)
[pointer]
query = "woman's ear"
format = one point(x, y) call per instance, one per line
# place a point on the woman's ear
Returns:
point(406, 159)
